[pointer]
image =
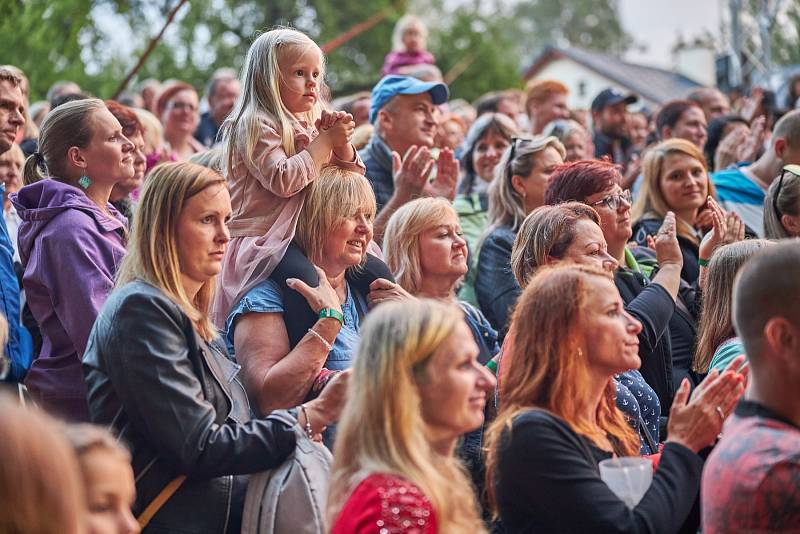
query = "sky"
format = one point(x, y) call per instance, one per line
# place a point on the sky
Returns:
point(657, 23)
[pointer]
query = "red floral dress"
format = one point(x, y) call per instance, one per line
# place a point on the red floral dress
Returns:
point(386, 504)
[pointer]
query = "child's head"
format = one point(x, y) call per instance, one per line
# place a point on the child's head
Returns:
point(283, 75)
point(108, 479)
point(282, 78)
point(410, 35)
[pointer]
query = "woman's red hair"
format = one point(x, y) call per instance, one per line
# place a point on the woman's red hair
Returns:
point(544, 366)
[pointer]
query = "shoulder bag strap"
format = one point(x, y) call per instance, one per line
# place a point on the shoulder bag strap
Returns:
point(156, 504)
point(647, 437)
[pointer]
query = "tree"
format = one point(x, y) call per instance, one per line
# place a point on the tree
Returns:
point(68, 39)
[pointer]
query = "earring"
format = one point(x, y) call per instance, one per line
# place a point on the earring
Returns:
point(84, 181)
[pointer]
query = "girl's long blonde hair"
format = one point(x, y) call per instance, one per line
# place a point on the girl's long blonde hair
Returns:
point(650, 201)
point(382, 430)
point(153, 247)
point(550, 371)
point(261, 96)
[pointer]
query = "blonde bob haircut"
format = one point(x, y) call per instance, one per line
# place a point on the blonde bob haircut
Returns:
point(546, 233)
point(382, 429)
point(506, 206)
point(153, 247)
point(651, 201)
point(401, 238)
point(261, 96)
point(335, 195)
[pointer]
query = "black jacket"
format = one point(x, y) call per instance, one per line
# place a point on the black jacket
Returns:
point(176, 401)
point(547, 480)
point(689, 250)
point(652, 305)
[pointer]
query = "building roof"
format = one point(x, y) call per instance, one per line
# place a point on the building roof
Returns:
point(654, 84)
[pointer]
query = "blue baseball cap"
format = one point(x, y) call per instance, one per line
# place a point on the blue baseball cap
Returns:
point(389, 86)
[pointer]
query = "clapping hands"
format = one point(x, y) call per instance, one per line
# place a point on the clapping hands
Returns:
point(412, 172)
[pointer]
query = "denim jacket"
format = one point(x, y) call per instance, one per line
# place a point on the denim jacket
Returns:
point(495, 284)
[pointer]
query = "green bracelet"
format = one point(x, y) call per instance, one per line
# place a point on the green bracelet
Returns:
point(492, 365)
point(702, 262)
point(330, 313)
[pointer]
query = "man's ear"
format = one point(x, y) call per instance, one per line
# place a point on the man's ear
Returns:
point(385, 119)
point(779, 146)
point(782, 337)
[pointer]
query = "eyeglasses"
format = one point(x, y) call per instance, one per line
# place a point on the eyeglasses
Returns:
point(794, 169)
point(180, 106)
point(613, 202)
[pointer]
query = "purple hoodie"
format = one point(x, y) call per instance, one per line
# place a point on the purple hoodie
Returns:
point(71, 251)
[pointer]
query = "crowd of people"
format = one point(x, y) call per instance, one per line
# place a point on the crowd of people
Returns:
point(406, 313)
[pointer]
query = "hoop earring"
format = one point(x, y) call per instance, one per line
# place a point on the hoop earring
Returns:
point(84, 181)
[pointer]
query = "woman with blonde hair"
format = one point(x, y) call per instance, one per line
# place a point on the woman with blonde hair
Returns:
point(278, 371)
point(717, 342)
point(107, 479)
point(426, 252)
point(558, 417)
point(276, 141)
point(782, 205)
point(676, 179)
point(518, 189)
point(416, 387)
point(159, 376)
point(40, 484)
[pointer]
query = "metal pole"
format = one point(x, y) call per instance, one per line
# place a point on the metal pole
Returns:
point(735, 75)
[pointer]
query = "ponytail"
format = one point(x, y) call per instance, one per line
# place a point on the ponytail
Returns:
point(31, 172)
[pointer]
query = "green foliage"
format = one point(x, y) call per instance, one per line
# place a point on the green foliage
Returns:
point(592, 24)
point(480, 48)
point(42, 38)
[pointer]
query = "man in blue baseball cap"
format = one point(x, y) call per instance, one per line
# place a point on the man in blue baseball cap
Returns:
point(398, 157)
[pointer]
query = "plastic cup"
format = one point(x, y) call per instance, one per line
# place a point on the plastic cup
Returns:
point(627, 477)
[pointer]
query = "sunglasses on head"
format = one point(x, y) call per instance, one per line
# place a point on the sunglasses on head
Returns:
point(514, 142)
point(794, 169)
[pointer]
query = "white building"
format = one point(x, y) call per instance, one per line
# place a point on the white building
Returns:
point(586, 73)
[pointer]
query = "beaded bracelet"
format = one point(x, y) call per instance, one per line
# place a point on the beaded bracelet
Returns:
point(322, 339)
